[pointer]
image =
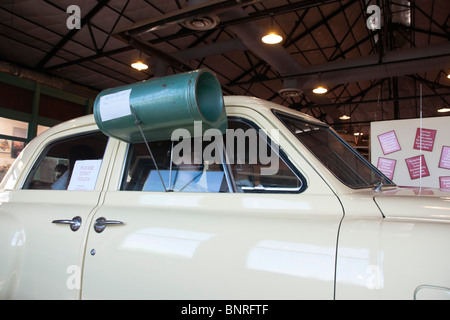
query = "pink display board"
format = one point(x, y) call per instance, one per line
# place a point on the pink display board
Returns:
point(444, 161)
point(444, 183)
point(387, 166)
point(417, 167)
point(389, 142)
point(426, 139)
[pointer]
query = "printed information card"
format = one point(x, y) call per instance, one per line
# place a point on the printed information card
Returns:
point(84, 175)
point(417, 167)
point(115, 105)
point(424, 140)
point(444, 161)
point(387, 167)
point(389, 142)
point(444, 183)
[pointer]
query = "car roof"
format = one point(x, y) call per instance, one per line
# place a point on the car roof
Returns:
point(257, 104)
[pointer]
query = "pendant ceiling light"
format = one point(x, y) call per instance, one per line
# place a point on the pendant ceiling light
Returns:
point(444, 109)
point(272, 37)
point(320, 89)
point(139, 65)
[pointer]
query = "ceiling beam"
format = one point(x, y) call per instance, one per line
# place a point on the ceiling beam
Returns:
point(395, 63)
point(318, 24)
point(70, 34)
point(176, 17)
point(145, 47)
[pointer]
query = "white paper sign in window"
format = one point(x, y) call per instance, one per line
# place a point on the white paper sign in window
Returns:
point(84, 175)
point(115, 105)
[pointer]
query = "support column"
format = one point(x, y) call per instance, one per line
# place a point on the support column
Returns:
point(32, 126)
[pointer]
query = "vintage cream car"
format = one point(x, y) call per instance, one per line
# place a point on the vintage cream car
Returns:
point(100, 214)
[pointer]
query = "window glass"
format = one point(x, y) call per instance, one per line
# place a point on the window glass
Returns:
point(13, 128)
point(336, 155)
point(41, 129)
point(11, 148)
point(9, 151)
point(194, 174)
point(259, 166)
point(193, 165)
point(71, 163)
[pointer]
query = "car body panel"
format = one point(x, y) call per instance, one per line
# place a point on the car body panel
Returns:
point(390, 257)
point(417, 203)
point(224, 246)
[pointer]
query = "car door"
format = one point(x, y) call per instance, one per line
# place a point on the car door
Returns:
point(246, 236)
point(43, 218)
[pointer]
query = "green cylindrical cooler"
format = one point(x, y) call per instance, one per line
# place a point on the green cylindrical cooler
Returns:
point(161, 105)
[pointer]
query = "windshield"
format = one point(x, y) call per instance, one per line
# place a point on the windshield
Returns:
point(335, 154)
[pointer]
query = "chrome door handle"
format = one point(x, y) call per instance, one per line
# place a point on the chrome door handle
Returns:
point(75, 223)
point(101, 223)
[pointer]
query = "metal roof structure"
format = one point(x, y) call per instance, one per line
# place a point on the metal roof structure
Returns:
point(392, 68)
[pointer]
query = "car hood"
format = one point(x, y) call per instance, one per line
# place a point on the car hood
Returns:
point(414, 203)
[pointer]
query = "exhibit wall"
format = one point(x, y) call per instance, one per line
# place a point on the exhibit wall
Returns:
point(413, 152)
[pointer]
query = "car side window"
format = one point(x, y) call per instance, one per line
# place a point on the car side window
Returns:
point(162, 173)
point(258, 164)
point(245, 160)
point(68, 164)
